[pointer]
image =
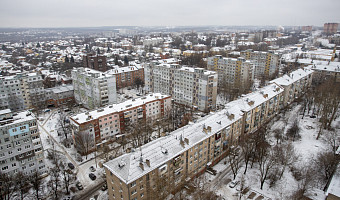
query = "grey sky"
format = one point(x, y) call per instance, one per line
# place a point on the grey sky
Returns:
point(88, 13)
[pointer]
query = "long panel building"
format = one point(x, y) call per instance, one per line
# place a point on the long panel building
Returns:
point(109, 122)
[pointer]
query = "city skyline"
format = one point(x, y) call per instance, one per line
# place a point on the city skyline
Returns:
point(40, 14)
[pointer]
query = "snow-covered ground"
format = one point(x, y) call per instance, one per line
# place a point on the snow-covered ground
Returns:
point(306, 147)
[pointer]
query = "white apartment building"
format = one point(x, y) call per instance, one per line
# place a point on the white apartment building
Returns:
point(236, 72)
point(20, 143)
point(93, 89)
point(109, 122)
point(194, 87)
point(265, 63)
point(21, 91)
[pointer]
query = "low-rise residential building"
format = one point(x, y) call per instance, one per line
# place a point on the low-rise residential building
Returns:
point(61, 95)
point(110, 122)
point(324, 69)
point(194, 87)
point(295, 84)
point(236, 72)
point(187, 152)
point(20, 143)
point(265, 63)
point(93, 89)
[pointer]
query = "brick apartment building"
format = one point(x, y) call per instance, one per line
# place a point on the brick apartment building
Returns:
point(97, 62)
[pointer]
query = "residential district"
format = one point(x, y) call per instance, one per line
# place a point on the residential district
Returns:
point(139, 113)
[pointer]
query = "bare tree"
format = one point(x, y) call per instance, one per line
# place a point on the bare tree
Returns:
point(326, 163)
point(306, 182)
point(55, 181)
point(7, 188)
point(67, 176)
point(63, 123)
point(266, 161)
point(202, 191)
point(234, 162)
point(332, 138)
point(285, 156)
point(22, 184)
point(247, 145)
point(293, 131)
point(84, 142)
point(36, 183)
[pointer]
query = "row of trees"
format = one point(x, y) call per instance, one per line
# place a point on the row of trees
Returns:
point(273, 160)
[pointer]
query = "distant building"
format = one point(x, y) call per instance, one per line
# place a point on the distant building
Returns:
point(236, 72)
point(21, 148)
point(194, 87)
point(93, 89)
point(127, 76)
point(96, 62)
point(265, 63)
point(330, 28)
point(307, 28)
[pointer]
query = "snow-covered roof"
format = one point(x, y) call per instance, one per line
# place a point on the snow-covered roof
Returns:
point(95, 114)
point(127, 167)
point(60, 89)
point(292, 77)
point(254, 99)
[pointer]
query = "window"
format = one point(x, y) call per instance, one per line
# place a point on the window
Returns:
point(133, 184)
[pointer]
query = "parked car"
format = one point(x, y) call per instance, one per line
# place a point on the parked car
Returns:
point(92, 176)
point(233, 184)
point(47, 110)
point(70, 165)
point(104, 187)
point(92, 169)
point(79, 186)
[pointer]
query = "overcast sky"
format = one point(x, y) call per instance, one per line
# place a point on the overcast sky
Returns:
point(90, 13)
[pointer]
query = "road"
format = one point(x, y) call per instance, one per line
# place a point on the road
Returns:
point(91, 192)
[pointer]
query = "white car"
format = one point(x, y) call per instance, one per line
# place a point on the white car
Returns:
point(232, 184)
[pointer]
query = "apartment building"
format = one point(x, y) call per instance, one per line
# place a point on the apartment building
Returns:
point(163, 164)
point(330, 28)
point(21, 91)
point(110, 122)
point(265, 63)
point(20, 143)
point(93, 89)
point(295, 84)
point(127, 76)
point(61, 95)
point(325, 69)
point(194, 87)
point(237, 72)
point(96, 62)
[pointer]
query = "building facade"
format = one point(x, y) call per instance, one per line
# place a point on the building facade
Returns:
point(236, 72)
point(93, 89)
point(159, 167)
point(110, 122)
point(127, 76)
point(295, 84)
point(61, 95)
point(21, 148)
point(21, 91)
point(330, 28)
point(265, 63)
point(194, 87)
point(96, 62)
